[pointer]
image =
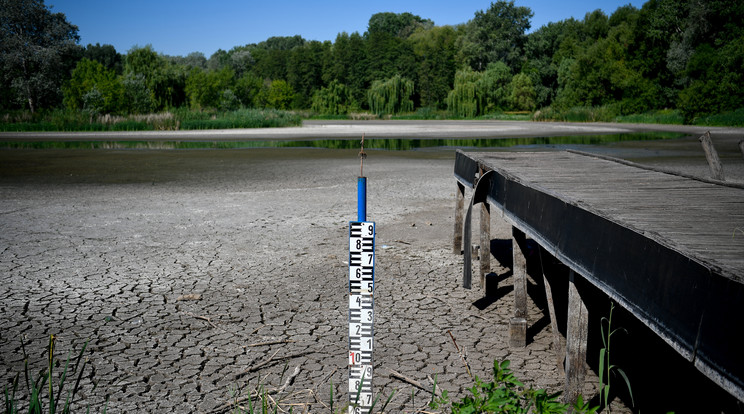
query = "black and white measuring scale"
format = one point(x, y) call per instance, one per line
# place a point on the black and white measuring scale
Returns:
point(361, 300)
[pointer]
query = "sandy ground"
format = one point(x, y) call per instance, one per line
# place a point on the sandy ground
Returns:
point(196, 272)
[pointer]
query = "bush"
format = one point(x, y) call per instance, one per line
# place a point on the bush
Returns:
point(72, 120)
point(604, 113)
point(733, 118)
point(663, 116)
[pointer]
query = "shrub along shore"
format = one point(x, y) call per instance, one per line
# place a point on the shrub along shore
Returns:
point(65, 120)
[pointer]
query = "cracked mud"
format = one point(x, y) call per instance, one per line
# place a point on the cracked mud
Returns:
point(193, 273)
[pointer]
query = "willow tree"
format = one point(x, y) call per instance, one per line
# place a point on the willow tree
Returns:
point(522, 95)
point(463, 100)
point(391, 96)
point(334, 99)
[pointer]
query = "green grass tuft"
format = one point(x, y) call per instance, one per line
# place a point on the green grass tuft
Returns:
point(59, 398)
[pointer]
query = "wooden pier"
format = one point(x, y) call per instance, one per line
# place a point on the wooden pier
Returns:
point(668, 248)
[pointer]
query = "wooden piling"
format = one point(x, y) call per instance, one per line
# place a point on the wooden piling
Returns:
point(741, 147)
point(518, 324)
point(558, 339)
point(576, 338)
point(459, 207)
point(485, 243)
point(716, 169)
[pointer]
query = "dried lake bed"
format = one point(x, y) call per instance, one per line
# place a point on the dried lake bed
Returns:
point(193, 272)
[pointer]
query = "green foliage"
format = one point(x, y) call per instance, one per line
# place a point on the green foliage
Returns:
point(206, 89)
point(732, 118)
point(165, 81)
point(50, 392)
point(33, 45)
point(389, 56)
point(277, 94)
point(348, 65)
point(677, 55)
point(435, 51)
point(664, 116)
point(464, 100)
point(497, 34)
point(93, 102)
point(92, 80)
point(606, 369)
point(719, 80)
point(247, 88)
point(242, 118)
point(391, 96)
point(522, 95)
point(494, 87)
point(105, 55)
point(335, 99)
point(423, 113)
point(400, 25)
point(506, 394)
point(182, 118)
point(478, 93)
point(305, 71)
point(604, 113)
point(138, 98)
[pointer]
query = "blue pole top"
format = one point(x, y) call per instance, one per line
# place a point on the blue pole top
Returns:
point(362, 199)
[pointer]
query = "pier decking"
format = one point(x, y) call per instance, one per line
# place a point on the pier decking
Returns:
point(668, 248)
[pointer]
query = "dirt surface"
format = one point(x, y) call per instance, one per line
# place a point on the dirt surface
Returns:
point(175, 264)
point(193, 272)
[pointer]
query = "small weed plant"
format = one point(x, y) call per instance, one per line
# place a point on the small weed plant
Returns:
point(59, 397)
point(506, 394)
point(606, 369)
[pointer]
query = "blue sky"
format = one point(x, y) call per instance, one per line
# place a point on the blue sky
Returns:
point(184, 26)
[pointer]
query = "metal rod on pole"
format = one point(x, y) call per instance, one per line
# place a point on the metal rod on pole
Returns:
point(362, 187)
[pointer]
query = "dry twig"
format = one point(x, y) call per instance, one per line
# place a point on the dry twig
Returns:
point(269, 361)
point(463, 357)
point(398, 375)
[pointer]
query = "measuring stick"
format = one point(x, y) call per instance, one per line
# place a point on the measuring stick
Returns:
point(361, 301)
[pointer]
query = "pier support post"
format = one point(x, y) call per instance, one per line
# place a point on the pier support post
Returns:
point(459, 207)
point(716, 169)
point(741, 146)
point(558, 339)
point(518, 324)
point(576, 338)
point(485, 242)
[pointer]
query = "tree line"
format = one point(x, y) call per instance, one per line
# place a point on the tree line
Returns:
point(686, 55)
